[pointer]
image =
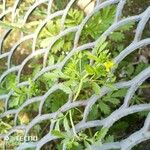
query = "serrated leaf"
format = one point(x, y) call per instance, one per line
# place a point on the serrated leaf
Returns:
point(112, 100)
point(121, 125)
point(93, 113)
point(104, 108)
point(65, 88)
point(57, 133)
point(117, 36)
point(51, 60)
point(101, 134)
point(91, 56)
point(101, 48)
point(96, 88)
point(46, 42)
point(58, 45)
point(130, 70)
point(119, 93)
point(101, 44)
point(89, 69)
point(127, 27)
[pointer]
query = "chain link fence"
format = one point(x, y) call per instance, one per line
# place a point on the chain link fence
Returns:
point(132, 85)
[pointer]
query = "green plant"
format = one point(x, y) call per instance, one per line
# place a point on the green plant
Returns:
point(82, 76)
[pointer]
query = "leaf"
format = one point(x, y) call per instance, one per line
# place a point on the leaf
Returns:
point(14, 103)
point(96, 88)
point(101, 44)
point(115, 101)
point(8, 25)
point(57, 133)
point(117, 37)
point(140, 67)
point(51, 60)
point(53, 76)
point(89, 69)
point(33, 23)
point(112, 100)
point(119, 93)
point(121, 126)
point(130, 70)
point(93, 113)
point(74, 18)
point(104, 108)
point(101, 134)
point(58, 45)
point(65, 88)
point(102, 47)
point(127, 27)
point(46, 42)
point(67, 46)
point(101, 41)
point(91, 56)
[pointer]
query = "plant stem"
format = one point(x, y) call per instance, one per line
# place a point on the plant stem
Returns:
point(72, 124)
point(77, 94)
point(80, 86)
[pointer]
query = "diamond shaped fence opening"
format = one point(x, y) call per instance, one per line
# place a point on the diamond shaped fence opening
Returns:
point(16, 56)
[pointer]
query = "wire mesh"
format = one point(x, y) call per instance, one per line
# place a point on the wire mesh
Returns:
point(142, 135)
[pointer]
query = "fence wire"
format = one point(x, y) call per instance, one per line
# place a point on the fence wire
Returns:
point(139, 136)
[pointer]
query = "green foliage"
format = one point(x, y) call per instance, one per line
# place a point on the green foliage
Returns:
point(74, 141)
point(107, 104)
point(83, 75)
point(52, 29)
point(55, 101)
point(74, 18)
point(22, 94)
point(4, 127)
point(99, 23)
